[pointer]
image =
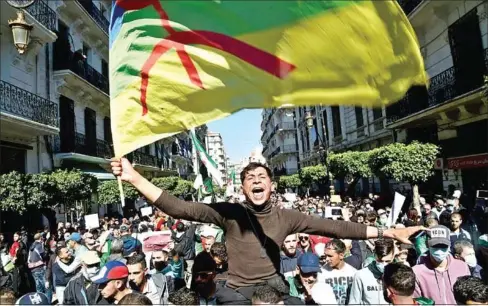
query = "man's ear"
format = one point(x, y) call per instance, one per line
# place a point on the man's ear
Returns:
point(273, 187)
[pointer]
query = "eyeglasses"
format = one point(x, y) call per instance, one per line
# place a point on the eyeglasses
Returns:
point(303, 238)
point(204, 275)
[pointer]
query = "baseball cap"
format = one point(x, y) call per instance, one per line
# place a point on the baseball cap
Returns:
point(112, 270)
point(33, 298)
point(438, 234)
point(90, 258)
point(308, 263)
point(75, 237)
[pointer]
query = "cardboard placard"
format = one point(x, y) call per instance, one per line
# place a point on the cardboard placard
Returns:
point(146, 211)
point(92, 221)
point(335, 198)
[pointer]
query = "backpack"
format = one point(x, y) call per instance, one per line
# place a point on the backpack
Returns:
point(164, 285)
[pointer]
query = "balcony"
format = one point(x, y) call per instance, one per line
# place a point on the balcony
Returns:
point(284, 149)
point(285, 171)
point(286, 126)
point(40, 15)
point(24, 113)
point(444, 87)
point(96, 14)
point(98, 148)
point(142, 158)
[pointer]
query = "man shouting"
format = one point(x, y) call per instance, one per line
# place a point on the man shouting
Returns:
point(254, 230)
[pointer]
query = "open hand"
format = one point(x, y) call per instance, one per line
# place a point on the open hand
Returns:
point(403, 234)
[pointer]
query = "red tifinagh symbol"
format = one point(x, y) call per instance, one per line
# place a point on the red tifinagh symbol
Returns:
point(250, 54)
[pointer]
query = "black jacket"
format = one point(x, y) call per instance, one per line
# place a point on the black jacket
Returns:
point(186, 242)
point(76, 293)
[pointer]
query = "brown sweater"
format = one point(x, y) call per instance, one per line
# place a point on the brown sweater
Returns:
point(246, 266)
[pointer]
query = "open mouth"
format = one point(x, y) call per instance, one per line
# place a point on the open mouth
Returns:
point(258, 192)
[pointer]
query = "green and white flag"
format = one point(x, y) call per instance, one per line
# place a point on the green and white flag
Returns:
point(206, 160)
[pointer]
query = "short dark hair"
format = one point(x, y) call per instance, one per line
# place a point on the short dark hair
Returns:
point(470, 288)
point(135, 299)
point(383, 247)
point(7, 296)
point(219, 250)
point(137, 259)
point(371, 216)
point(184, 296)
point(267, 294)
point(337, 245)
point(203, 262)
point(58, 249)
point(252, 166)
point(399, 277)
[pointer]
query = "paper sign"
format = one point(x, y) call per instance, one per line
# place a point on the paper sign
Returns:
point(395, 209)
point(146, 211)
point(92, 221)
point(335, 198)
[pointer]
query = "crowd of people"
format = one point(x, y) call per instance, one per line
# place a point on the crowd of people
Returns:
point(264, 250)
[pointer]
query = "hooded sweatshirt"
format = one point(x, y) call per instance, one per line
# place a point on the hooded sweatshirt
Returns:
point(367, 287)
point(288, 264)
point(436, 285)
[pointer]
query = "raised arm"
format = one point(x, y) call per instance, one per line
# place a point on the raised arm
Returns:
point(301, 223)
point(169, 204)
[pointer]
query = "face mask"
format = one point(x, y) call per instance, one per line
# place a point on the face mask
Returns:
point(91, 272)
point(159, 265)
point(383, 220)
point(380, 266)
point(450, 208)
point(439, 208)
point(470, 260)
point(439, 254)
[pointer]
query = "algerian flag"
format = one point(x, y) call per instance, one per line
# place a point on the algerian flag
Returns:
point(230, 183)
point(206, 159)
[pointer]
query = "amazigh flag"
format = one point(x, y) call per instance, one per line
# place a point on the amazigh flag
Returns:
point(206, 160)
point(175, 65)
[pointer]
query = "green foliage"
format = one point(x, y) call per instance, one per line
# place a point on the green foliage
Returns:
point(219, 191)
point(289, 181)
point(73, 185)
point(351, 163)
point(108, 192)
point(40, 190)
point(183, 187)
point(12, 196)
point(311, 174)
point(174, 185)
point(167, 183)
point(413, 163)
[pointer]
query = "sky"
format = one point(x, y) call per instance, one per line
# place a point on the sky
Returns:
point(241, 132)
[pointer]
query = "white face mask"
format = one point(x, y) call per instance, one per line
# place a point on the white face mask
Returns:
point(470, 260)
point(383, 220)
point(439, 254)
point(91, 272)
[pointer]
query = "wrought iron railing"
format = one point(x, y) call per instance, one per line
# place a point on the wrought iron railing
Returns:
point(409, 5)
point(41, 11)
point(144, 159)
point(286, 126)
point(81, 68)
point(20, 102)
point(82, 145)
point(96, 14)
point(442, 87)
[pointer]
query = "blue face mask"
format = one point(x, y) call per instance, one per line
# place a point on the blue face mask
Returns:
point(381, 267)
point(439, 254)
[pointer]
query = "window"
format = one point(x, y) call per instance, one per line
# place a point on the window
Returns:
point(104, 69)
point(336, 121)
point(377, 113)
point(107, 131)
point(86, 52)
point(90, 131)
point(359, 117)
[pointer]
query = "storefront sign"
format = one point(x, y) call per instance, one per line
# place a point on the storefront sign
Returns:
point(465, 162)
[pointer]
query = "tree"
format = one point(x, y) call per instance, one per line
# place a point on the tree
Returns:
point(311, 174)
point(167, 183)
point(40, 190)
point(108, 192)
point(12, 196)
point(73, 186)
point(219, 191)
point(289, 181)
point(350, 166)
point(183, 187)
point(412, 163)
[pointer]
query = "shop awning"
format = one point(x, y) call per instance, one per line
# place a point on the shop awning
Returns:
point(93, 169)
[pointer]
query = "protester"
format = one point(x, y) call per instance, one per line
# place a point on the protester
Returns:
point(257, 259)
point(60, 278)
point(367, 286)
point(113, 280)
point(438, 270)
point(36, 263)
point(74, 243)
point(135, 299)
point(289, 255)
point(399, 286)
point(337, 273)
point(267, 295)
point(469, 290)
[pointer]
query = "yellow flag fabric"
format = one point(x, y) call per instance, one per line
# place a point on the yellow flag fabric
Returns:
point(175, 65)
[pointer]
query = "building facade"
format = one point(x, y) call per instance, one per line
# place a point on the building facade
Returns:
point(452, 113)
point(280, 141)
point(216, 150)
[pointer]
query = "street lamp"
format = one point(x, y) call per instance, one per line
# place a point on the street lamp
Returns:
point(20, 28)
point(323, 149)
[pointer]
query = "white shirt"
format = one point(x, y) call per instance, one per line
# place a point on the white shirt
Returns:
point(339, 280)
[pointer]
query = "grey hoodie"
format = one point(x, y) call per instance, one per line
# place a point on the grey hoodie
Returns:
point(367, 287)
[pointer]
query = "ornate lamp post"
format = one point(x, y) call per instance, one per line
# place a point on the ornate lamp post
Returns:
point(323, 150)
point(20, 28)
